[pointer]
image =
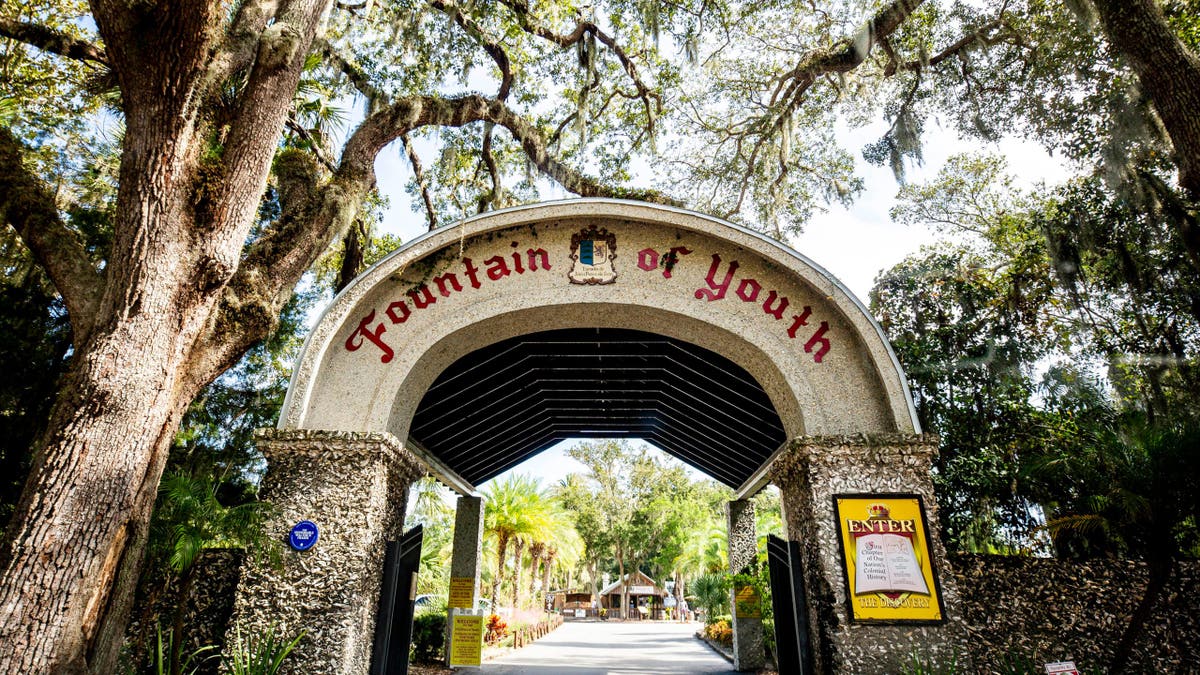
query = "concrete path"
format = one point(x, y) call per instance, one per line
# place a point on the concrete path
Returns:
point(611, 648)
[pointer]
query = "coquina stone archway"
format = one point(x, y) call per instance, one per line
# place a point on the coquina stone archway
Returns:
point(344, 453)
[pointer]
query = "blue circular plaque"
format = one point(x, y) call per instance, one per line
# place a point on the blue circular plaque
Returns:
point(304, 535)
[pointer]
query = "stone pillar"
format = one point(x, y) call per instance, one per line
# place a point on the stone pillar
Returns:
point(468, 540)
point(467, 552)
point(354, 487)
point(809, 474)
point(748, 651)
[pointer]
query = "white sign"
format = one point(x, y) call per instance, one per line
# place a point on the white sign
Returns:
point(1062, 668)
point(887, 562)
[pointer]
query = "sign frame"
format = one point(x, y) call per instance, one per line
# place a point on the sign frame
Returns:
point(922, 544)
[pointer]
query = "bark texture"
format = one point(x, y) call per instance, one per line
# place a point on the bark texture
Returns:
point(182, 295)
point(1169, 73)
point(158, 321)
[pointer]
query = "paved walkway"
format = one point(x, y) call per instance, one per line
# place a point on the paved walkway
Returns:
point(611, 648)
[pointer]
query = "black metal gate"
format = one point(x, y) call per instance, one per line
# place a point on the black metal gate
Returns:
point(792, 645)
point(397, 599)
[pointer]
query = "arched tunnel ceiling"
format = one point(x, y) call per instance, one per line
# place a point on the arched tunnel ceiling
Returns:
point(502, 404)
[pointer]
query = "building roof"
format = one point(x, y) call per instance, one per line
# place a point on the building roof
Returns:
point(641, 579)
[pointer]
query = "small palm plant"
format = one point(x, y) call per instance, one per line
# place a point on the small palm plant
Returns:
point(260, 654)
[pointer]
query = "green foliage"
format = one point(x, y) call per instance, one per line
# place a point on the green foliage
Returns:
point(190, 663)
point(926, 664)
point(33, 355)
point(191, 518)
point(711, 592)
point(1058, 285)
point(429, 636)
point(1129, 488)
point(259, 654)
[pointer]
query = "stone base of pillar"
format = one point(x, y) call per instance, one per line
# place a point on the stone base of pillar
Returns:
point(809, 474)
point(354, 487)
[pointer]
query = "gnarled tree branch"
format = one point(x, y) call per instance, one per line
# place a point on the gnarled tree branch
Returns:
point(53, 41)
point(650, 98)
point(422, 184)
point(28, 205)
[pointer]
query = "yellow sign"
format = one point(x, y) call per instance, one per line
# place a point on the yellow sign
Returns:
point(466, 641)
point(747, 604)
point(886, 557)
point(462, 593)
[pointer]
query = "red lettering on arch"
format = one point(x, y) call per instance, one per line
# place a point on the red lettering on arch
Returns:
point(820, 342)
point(373, 336)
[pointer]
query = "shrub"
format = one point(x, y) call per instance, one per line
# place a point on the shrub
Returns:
point(497, 629)
point(429, 636)
point(719, 632)
point(727, 618)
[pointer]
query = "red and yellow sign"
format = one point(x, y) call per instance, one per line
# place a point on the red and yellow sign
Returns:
point(462, 593)
point(890, 575)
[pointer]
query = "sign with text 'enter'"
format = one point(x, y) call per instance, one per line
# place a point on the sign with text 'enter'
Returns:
point(890, 576)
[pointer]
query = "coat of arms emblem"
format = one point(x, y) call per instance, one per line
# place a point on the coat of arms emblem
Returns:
point(592, 254)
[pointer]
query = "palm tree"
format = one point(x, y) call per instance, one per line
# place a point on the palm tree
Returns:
point(557, 539)
point(190, 519)
point(1138, 493)
point(703, 553)
point(513, 509)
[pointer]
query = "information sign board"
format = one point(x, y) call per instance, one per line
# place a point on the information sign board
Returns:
point(462, 593)
point(748, 603)
point(466, 641)
point(1062, 668)
point(886, 557)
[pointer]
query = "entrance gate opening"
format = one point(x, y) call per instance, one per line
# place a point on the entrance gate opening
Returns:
point(478, 345)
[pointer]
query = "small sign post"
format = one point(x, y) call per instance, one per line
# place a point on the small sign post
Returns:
point(1062, 668)
point(304, 535)
point(747, 603)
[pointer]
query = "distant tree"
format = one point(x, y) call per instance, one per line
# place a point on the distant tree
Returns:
point(1132, 490)
point(514, 509)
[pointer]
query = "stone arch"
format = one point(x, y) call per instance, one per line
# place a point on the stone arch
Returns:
point(828, 364)
point(342, 453)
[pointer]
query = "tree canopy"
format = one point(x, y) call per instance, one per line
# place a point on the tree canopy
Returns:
point(174, 169)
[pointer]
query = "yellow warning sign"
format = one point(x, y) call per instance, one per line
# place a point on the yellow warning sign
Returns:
point(748, 605)
point(462, 593)
point(466, 641)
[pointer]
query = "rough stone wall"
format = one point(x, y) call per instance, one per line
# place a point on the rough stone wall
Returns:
point(206, 610)
point(1053, 610)
point(815, 468)
point(354, 486)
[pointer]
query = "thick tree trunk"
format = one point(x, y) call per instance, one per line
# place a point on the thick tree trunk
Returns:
point(1161, 569)
point(1170, 76)
point(547, 567)
point(518, 549)
point(75, 544)
point(624, 585)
